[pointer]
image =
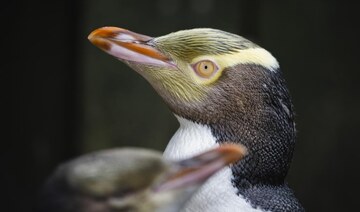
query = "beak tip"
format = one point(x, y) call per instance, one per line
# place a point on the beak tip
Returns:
point(104, 32)
point(99, 36)
point(93, 36)
point(241, 149)
point(90, 37)
point(233, 152)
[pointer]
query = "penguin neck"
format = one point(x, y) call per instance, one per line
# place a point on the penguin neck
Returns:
point(230, 188)
point(189, 140)
point(270, 152)
point(218, 193)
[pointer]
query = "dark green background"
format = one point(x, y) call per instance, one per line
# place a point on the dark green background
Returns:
point(68, 97)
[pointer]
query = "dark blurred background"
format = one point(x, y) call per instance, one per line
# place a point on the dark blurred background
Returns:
point(69, 98)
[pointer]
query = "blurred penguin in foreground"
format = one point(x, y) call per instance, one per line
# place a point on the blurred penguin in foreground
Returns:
point(131, 179)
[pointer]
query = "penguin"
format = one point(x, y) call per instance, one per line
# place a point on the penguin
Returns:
point(221, 87)
point(131, 180)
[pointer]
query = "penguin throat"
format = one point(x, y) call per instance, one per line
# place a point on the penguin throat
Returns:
point(218, 193)
point(270, 149)
point(189, 140)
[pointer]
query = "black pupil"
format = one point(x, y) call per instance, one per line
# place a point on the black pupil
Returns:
point(205, 67)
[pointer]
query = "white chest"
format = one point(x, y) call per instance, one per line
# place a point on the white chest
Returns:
point(217, 194)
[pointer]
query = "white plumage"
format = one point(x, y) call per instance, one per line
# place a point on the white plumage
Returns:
point(217, 194)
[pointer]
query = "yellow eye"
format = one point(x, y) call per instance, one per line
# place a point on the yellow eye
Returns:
point(205, 68)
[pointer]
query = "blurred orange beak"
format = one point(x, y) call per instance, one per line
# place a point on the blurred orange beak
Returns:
point(129, 46)
point(196, 170)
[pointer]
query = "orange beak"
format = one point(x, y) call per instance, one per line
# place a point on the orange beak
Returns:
point(129, 46)
point(198, 169)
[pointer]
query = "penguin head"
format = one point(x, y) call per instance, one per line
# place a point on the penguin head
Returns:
point(218, 79)
point(190, 69)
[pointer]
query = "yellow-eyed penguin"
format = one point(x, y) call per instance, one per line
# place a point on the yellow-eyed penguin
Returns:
point(221, 87)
